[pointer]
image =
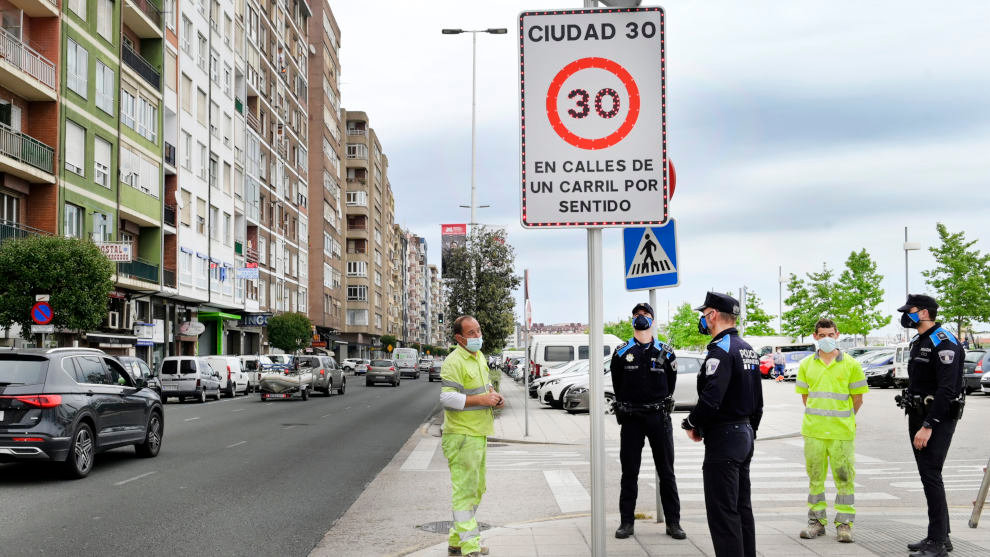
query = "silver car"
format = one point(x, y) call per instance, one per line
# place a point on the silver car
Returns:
point(327, 377)
point(382, 371)
point(189, 376)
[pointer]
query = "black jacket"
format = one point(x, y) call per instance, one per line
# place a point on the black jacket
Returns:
point(730, 388)
point(936, 369)
point(643, 373)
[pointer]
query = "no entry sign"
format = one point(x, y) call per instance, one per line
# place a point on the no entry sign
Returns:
point(593, 117)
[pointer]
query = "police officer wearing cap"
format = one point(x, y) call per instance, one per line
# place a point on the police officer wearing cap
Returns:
point(728, 413)
point(644, 373)
point(933, 402)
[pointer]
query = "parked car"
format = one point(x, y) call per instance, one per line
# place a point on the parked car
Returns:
point(284, 359)
point(552, 392)
point(251, 366)
point(382, 370)
point(232, 379)
point(358, 365)
point(189, 376)
point(425, 364)
point(139, 369)
point(985, 383)
point(792, 361)
point(861, 352)
point(686, 389)
point(879, 370)
point(435, 370)
point(766, 365)
point(68, 404)
point(977, 361)
point(327, 377)
point(549, 350)
point(576, 398)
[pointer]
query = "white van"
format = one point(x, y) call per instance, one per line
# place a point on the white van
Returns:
point(901, 357)
point(251, 365)
point(769, 344)
point(232, 379)
point(548, 350)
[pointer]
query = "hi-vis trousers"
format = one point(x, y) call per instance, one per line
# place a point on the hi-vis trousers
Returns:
point(818, 454)
point(466, 458)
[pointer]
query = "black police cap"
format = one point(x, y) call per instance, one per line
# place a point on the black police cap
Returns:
point(645, 307)
point(721, 302)
point(918, 301)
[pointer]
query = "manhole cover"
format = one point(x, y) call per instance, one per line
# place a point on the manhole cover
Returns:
point(443, 526)
point(498, 444)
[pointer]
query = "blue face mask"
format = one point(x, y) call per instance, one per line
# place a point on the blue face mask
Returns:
point(910, 320)
point(474, 344)
point(703, 326)
point(642, 322)
point(827, 344)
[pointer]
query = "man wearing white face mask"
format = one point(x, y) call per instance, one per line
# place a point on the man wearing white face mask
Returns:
point(831, 385)
point(468, 398)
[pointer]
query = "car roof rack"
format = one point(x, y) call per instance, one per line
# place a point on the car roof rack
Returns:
point(73, 348)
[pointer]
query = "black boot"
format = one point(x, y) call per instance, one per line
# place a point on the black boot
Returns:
point(918, 546)
point(674, 530)
point(625, 530)
point(931, 549)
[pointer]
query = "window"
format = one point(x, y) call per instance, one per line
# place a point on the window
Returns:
point(215, 120)
point(200, 215)
point(213, 171)
point(104, 19)
point(75, 147)
point(226, 229)
point(357, 317)
point(226, 177)
point(558, 353)
point(202, 272)
point(169, 12)
point(214, 223)
point(186, 209)
point(226, 79)
point(73, 221)
point(203, 161)
point(187, 93)
point(201, 114)
point(90, 369)
point(187, 35)
point(101, 162)
point(357, 293)
point(202, 52)
point(378, 278)
point(104, 87)
point(357, 268)
point(170, 74)
point(79, 7)
point(357, 198)
point(187, 143)
point(77, 59)
point(378, 320)
point(262, 250)
point(128, 108)
point(102, 227)
point(185, 267)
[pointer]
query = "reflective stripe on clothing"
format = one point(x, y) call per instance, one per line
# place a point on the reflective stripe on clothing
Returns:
point(829, 413)
point(801, 384)
point(825, 394)
point(464, 516)
point(816, 498)
point(858, 384)
point(840, 456)
point(466, 373)
point(845, 518)
point(460, 388)
point(466, 457)
point(845, 499)
point(469, 408)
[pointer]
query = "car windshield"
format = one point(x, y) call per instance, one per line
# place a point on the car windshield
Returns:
point(425, 361)
point(308, 361)
point(22, 369)
point(974, 356)
point(877, 357)
point(381, 363)
point(795, 356)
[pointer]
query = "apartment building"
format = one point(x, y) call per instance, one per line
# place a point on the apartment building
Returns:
point(370, 214)
point(276, 179)
point(417, 273)
point(397, 284)
point(326, 207)
point(439, 335)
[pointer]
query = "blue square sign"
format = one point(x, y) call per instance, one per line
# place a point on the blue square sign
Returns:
point(651, 257)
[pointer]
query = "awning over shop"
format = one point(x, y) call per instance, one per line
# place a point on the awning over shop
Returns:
point(219, 317)
point(109, 338)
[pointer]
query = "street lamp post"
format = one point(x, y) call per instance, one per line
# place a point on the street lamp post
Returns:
point(474, 68)
point(908, 246)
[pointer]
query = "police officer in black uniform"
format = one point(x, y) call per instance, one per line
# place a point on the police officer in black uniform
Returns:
point(728, 413)
point(644, 373)
point(933, 402)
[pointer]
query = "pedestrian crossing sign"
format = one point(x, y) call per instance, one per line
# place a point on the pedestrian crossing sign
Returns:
point(651, 257)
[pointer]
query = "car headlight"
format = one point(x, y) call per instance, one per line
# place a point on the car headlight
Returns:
point(577, 391)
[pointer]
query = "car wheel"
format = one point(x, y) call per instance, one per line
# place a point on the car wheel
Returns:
point(153, 440)
point(218, 392)
point(202, 396)
point(557, 404)
point(343, 385)
point(82, 451)
point(305, 394)
point(367, 383)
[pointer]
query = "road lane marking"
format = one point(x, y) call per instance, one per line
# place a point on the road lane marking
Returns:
point(236, 444)
point(325, 416)
point(568, 491)
point(238, 410)
point(191, 419)
point(145, 475)
point(420, 457)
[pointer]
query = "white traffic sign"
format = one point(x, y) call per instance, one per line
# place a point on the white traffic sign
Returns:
point(35, 329)
point(593, 117)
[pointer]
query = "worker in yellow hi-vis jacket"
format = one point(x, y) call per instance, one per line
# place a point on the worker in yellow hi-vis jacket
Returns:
point(468, 399)
point(831, 384)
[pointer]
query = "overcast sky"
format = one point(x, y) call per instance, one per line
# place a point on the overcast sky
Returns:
point(801, 131)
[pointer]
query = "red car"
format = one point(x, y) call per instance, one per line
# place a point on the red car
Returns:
point(766, 365)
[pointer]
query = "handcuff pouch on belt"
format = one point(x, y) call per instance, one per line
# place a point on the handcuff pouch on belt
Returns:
point(918, 406)
point(628, 409)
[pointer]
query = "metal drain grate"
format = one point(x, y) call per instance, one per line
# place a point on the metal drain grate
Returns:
point(888, 537)
point(444, 526)
point(498, 444)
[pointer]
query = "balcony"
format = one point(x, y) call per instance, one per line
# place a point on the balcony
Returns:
point(253, 121)
point(168, 278)
point(24, 71)
point(10, 230)
point(37, 8)
point(251, 254)
point(143, 18)
point(25, 156)
point(143, 68)
point(139, 269)
point(169, 215)
point(355, 131)
point(169, 154)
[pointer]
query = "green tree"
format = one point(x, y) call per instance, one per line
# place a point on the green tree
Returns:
point(388, 341)
point(621, 329)
point(857, 296)
point(821, 289)
point(757, 321)
point(482, 283)
point(960, 278)
point(683, 329)
point(289, 331)
point(74, 272)
point(795, 320)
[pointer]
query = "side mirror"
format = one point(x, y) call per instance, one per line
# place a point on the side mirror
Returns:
point(140, 383)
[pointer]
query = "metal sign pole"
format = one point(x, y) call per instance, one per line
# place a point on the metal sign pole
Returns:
point(656, 473)
point(526, 319)
point(595, 350)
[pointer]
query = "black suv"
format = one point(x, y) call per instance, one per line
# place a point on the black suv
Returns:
point(68, 404)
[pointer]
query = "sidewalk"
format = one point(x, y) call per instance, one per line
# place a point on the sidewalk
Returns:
point(527, 519)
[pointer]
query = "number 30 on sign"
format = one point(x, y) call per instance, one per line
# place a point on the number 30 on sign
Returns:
point(593, 117)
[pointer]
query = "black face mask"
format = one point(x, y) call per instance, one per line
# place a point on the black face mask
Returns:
point(703, 326)
point(909, 323)
point(642, 322)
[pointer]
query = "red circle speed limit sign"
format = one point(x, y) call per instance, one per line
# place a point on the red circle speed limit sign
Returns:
point(593, 117)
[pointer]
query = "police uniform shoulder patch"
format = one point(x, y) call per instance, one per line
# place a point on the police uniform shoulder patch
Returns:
point(946, 356)
point(630, 357)
point(711, 366)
